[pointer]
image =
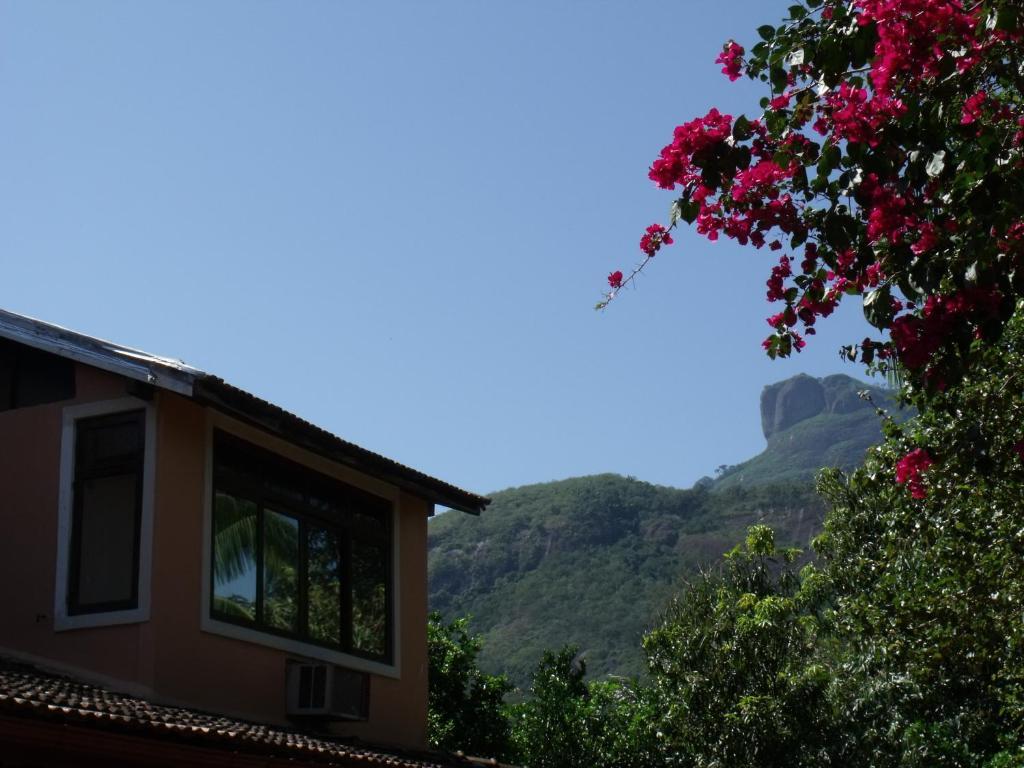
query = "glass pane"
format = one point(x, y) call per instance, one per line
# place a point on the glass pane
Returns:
point(370, 558)
point(107, 537)
point(280, 571)
point(42, 378)
point(107, 440)
point(324, 588)
point(234, 557)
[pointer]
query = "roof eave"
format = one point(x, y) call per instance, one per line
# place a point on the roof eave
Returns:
point(176, 376)
point(106, 355)
point(218, 394)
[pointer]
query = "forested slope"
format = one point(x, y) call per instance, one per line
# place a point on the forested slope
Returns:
point(593, 560)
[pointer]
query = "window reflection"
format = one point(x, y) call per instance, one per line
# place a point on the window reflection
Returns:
point(280, 570)
point(298, 553)
point(369, 584)
point(324, 595)
point(234, 557)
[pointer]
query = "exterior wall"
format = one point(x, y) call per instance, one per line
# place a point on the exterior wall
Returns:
point(29, 481)
point(170, 658)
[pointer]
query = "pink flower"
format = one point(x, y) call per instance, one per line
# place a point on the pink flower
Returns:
point(972, 108)
point(779, 102)
point(856, 118)
point(776, 290)
point(909, 470)
point(615, 279)
point(915, 36)
point(927, 240)
point(917, 338)
point(732, 57)
point(675, 164)
point(654, 238)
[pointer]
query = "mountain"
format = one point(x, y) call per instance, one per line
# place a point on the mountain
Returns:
point(812, 423)
point(593, 560)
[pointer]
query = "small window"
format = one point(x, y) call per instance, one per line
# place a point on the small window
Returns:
point(106, 513)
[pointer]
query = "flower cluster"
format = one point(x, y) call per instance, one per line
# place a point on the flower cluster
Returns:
point(909, 470)
point(972, 110)
point(675, 165)
point(875, 207)
point(917, 337)
point(850, 115)
point(916, 36)
point(731, 58)
point(886, 165)
point(655, 236)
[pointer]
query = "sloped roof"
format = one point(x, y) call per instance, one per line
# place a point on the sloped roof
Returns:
point(26, 691)
point(175, 376)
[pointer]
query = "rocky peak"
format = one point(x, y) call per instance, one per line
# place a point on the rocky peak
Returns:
point(801, 397)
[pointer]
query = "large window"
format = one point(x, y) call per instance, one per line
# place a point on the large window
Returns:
point(298, 554)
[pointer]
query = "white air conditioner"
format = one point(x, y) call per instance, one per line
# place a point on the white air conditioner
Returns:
point(326, 691)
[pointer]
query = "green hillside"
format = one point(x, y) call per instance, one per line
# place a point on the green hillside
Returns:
point(593, 560)
point(590, 561)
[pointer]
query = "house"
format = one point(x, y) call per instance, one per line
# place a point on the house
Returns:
point(189, 568)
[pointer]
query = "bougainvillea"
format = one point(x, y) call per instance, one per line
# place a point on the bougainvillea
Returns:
point(886, 164)
point(909, 470)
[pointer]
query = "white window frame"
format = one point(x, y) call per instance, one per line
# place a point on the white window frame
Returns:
point(208, 623)
point(65, 505)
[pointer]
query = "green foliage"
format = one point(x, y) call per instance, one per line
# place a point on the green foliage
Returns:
point(592, 562)
point(567, 723)
point(930, 593)
point(465, 705)
point(736, 662)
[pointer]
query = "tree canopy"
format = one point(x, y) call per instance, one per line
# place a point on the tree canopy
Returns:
point(886, 163)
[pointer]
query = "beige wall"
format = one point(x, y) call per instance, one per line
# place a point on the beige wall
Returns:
point(170, 657)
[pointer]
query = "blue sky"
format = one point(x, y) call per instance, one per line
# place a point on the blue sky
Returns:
point(394, 218)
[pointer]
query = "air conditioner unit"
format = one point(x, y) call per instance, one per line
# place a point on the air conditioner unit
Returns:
point(327, 691)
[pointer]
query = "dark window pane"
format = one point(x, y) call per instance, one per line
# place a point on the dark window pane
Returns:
point(234, 557)
point(280, 571)
point(42, 378)
point(107, 444)
point(31, 377)
point(107, 534)
point(370, 563)
point(8, 364)
point(106, 513)
point(324, 586)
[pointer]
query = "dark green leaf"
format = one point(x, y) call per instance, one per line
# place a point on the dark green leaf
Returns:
point(741, 130)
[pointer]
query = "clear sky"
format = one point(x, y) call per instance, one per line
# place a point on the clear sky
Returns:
point(394, 218)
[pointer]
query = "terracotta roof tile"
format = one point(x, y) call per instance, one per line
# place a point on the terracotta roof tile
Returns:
point(29, 691)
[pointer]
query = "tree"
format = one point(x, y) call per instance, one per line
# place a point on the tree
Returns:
point(567, 722)
point(465, 705)
point(887, 164)
point(738, 666)
point(928, 592)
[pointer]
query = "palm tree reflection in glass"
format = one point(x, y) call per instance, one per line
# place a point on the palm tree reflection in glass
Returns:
point(236, 549)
